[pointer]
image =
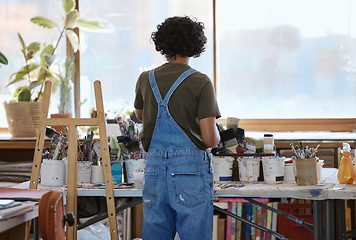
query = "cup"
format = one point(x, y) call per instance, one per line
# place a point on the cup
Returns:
point(249, 169)
point(116, 172)
point(52, 172)
point(289, 176)
point(134, 165)
point(222, 168)
point(83, 172)
point(138, 179)
point(97, 174)
point(306, 171)
point(273, 169)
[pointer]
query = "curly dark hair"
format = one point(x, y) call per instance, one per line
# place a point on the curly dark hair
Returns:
point(180, 35)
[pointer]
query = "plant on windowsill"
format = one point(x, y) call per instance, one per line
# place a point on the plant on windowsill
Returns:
point(23, 113)
point(36, 73)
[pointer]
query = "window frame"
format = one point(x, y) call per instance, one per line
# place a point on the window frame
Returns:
point(286, 125)
point(269, 125)
point(295, 125)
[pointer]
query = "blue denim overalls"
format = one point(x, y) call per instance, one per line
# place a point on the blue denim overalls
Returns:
point(178, 188)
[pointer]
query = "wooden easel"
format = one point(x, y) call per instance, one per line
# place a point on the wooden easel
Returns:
point(72, 123)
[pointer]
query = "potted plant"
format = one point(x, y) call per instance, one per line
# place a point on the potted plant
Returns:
point(40, 59)
point(23, 113)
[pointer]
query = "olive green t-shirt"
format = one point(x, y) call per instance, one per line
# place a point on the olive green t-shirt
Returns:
point(194, 99)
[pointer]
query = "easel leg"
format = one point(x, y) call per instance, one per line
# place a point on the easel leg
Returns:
point(28, 229)
point(110, 201)
point(72, 181)
point(37, 158)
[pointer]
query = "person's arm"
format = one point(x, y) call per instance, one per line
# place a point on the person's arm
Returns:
point(209, 132)
point(138, 113)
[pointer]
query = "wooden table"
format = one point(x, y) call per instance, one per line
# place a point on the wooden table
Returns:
point(15, 227)
point(326, 196)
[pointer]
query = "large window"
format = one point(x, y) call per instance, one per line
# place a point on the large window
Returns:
point(118, 55)
point(15, 18)
point(286, 58)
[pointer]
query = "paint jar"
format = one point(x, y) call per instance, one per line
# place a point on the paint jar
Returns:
point(249, 169)
point(134, 165)
point(97, 174)
point(273, 169)
point(268, 143)
point(116, 172)
point(52, 172)
point(138, 179)
point(83, 172)
point(222, 168)
point(289, 176)
point(306, 171)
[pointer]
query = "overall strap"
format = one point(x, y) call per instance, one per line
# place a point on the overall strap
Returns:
point(179, 80)
point(154, 86)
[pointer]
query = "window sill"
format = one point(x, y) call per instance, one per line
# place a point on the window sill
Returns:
point(292, 125)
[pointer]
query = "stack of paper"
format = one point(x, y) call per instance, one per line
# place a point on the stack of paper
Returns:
point(8, 203)
point(20, 209)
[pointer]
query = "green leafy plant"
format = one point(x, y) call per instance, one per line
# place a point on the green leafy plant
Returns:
point(3, 59)
point(40, 68)
point(34, 72)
